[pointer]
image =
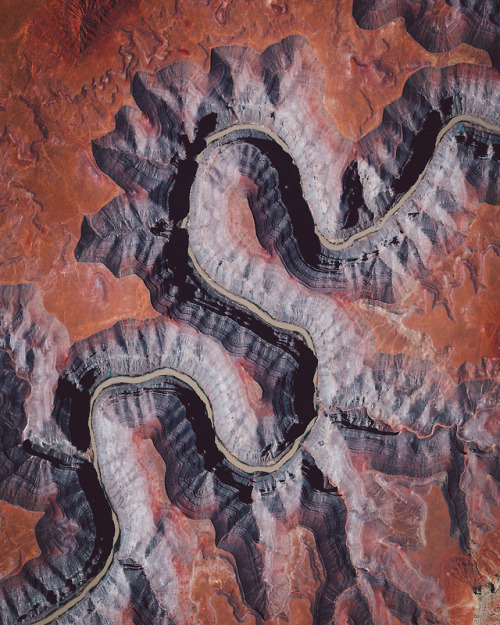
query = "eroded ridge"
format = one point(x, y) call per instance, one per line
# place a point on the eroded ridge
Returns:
point(56, 530)
point(246, 510)
point(170, 487)
point(255, 227)
point(466, 21)
point(167, 411)
point(167, 459)
point(218, 216)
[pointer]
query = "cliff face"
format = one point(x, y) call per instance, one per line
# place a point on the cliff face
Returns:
point(305, 429)
point(56, 524)
point(441, 26)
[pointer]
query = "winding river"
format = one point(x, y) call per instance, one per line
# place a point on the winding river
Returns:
point(253, 308)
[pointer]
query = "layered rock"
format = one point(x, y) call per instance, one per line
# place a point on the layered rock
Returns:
point(258, 231)
point(56, 525)
point(243, 420)
point(168, 461)
point(403, 208)
point(439, 28)
point(237, 229)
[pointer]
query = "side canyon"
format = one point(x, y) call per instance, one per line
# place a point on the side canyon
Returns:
point(250, 327)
